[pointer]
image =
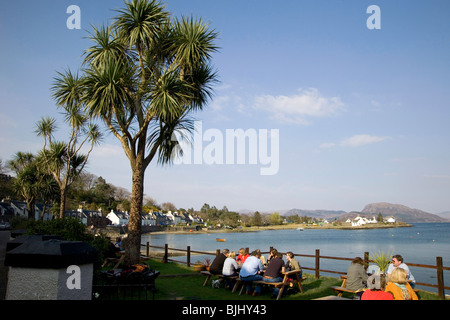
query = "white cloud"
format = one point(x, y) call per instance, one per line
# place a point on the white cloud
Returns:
point(297, 108)
point(360, 140)
point(355, 141)
point(108, 151)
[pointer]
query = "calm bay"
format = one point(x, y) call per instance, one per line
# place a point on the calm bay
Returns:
point(419, 244)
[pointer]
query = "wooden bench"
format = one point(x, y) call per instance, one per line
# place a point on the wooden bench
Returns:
point(282, 284)
point(209, 275)
point(340, 290)
point(118, 261)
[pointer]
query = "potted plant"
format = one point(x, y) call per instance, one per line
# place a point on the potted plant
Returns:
point(207, 263)
point(382, 260)
point(199, 266)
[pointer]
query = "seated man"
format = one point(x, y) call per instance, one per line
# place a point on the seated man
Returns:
point(397, 262)
point(216, 266)
point(251, 271)
point(273, 272)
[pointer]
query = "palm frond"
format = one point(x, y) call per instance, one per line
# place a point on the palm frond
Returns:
point(169, 96)
point(66, 89)
point(106, 45)
point(163, 137)
point(139, 22)
point(108, 88)
point(193, 43)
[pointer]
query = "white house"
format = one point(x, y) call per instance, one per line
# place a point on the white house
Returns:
point(118, 218)
point(373, 220)
point(20, 209)
point(390, 220)
point(195, 219)
point(175, 218)
point(359, 221)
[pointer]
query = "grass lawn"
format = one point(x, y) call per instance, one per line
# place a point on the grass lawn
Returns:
point(174, 284)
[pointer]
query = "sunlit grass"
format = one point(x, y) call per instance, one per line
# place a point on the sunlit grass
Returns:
point(175, 283)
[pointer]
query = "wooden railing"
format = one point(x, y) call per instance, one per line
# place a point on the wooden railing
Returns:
point(317, 258)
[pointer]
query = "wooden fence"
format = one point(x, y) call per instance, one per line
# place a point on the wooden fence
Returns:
point(317, 257)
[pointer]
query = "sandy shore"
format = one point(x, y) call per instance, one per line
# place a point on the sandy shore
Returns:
point(113, 234)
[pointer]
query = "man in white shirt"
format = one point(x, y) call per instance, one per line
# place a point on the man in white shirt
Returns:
point(397, 262)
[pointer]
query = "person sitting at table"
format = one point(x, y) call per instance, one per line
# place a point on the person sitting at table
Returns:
point(356, 275)
point(217, 264)
point(397, 262)
point(273, 253)
point(274, 271)
point(292, 263)
point(230, 268)
point(399, 287)
point(376, 286)
point(242, 256)
point(251, 271)
point(262, 258)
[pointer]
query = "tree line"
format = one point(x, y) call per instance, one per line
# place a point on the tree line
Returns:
point(91, 192)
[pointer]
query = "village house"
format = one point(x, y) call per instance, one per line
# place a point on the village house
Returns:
point(88, 217)
point(11, 208)
point(195, 219)
point(174, 218)
point(118, 218)
point(360, 221)
point(161, 219)
point(390, 220)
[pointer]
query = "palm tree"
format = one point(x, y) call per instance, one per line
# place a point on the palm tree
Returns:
point(26, 182)
point(143, 76)
point(32, 182)
point(64, 160)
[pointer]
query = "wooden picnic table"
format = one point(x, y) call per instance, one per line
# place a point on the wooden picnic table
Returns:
point(288, 277)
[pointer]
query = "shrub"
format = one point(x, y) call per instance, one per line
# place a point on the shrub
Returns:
point(72, 229)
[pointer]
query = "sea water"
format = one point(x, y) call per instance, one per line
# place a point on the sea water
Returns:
point(419, 244)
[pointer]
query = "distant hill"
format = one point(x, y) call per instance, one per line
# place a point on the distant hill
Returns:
point(398, 211)
point(445, 215)
point(352, 215)
point(401, 212)
point(323, 214)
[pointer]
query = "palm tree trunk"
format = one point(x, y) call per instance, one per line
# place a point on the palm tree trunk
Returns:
point(133, 242)
point(30, 208)
point(62, 205)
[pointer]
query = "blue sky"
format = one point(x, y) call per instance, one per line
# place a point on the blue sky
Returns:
point(362, 114)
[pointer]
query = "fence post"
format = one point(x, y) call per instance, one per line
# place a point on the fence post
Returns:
point(440, 277)
point(188, 252)
point(366, 260)
point(317, 263)
point(148, 249)
point(166, 253)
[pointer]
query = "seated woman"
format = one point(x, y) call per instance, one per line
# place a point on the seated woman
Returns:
point(230, 268)
point(399, 287)
point(376, 285)
point(242, 256)
point(356, 275)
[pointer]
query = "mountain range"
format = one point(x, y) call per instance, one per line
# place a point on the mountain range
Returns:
point(398, 211)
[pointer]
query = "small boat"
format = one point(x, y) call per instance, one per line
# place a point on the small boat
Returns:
point(220, 240)
point(299, 229)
